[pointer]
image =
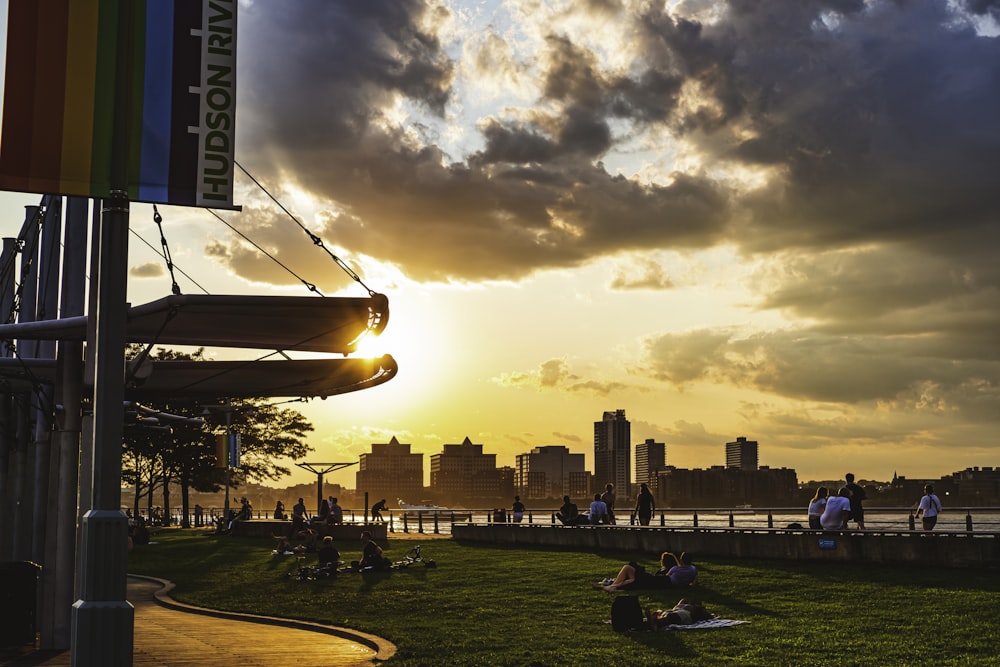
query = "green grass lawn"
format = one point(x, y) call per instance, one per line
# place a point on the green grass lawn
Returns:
point(494, 605)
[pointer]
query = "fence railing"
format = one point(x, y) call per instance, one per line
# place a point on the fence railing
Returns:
point(436, 521)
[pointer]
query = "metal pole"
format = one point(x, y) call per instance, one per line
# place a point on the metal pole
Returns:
point(103, 619)
point(102, 623)
point(229, 458)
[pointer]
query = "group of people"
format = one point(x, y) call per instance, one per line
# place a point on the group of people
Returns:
point(372, 558)
point(602, 509)
point(674, 572)
point(828, 512)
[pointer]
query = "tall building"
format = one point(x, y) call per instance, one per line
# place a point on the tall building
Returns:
point(392, 472)
point(463, 471)
point(741, 454)
point(650, 458)
point(613, 453)
point(550, 472)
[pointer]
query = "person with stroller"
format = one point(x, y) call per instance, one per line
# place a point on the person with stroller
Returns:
point(377, 511)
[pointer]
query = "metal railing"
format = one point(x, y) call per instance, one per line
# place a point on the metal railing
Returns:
point(437, 521)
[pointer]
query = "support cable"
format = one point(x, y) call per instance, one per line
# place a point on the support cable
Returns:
point(158, 219)
point(309, 285)
point(179, 270)
point(315, 239)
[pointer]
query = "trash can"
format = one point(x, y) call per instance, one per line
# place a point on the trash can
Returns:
point(18, 602)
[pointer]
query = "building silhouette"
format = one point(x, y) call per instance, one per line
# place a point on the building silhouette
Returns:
point(613, 453)
point(392, 472)
point(721, 486)
point(742, 454)
point(551, 472)
point(650, 458)
point(464, 471)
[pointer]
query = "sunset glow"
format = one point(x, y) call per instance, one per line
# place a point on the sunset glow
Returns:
point(775, 220)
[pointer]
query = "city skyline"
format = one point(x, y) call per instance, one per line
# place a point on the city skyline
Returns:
point(724, 449)
point(775, 220)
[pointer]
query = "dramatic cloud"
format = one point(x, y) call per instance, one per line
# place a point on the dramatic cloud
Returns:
point(848, 150)
point(912, 374)
point(556, 374)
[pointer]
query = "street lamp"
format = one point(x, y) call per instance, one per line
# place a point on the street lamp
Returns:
point(231, 443)
point(320, 469)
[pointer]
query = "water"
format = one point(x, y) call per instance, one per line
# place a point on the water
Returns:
point(984, 520)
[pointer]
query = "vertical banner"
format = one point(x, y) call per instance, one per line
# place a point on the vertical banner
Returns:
point(180, 82)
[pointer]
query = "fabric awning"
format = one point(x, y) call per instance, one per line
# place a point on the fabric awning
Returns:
point(176, 379)
point(309, 324)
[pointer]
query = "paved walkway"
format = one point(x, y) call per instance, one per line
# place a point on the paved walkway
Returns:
point(170, 634)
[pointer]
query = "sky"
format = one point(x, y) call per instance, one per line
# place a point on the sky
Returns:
point(776, 220)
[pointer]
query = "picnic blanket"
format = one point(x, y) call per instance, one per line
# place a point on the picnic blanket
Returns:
point(701, 625)
point(710, 623)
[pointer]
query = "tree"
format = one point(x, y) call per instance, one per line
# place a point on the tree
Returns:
point(184, 452)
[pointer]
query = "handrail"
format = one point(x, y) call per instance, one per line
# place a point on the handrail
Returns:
point(702, 518)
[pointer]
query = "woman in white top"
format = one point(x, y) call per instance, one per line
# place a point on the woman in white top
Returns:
point(929, 508)
point(816, 507)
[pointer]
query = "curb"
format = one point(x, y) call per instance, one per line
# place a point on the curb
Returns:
point(384, 649)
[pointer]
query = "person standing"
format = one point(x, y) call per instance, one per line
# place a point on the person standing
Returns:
point(299, 509)
point(816, 507)
point(517, 509)
point(645, 505)
point(336, 513)
point(838, 509)
point(929, 509)
point(857, 495)
point(609, 499)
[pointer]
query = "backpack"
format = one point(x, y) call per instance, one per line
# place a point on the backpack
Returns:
point(626, 613)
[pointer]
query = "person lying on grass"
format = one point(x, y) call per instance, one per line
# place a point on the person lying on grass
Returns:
point(685, 612)
point(674, 572)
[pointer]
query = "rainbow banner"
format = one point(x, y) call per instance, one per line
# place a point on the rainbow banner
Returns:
point(175, 74)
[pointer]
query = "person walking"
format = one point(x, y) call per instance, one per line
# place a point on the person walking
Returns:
point(857, 496)
point(645, 505)
point(929, 508)
point(377, 511)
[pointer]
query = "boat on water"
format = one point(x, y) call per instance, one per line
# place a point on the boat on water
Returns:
point(420, 506)
point(739, 509)
point(414, 510)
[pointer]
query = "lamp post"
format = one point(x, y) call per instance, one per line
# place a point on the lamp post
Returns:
point(321, 469)
point(227, 409)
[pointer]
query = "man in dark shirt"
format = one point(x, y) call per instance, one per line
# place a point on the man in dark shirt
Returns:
point(569, 514)
point(857, 495)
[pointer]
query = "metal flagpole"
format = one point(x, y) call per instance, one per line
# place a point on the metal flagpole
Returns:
point(103, 619)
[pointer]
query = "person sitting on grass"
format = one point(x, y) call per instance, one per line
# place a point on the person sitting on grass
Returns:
point(298, 532)
point(674, 572)
point(371, 554)
point(329, 557)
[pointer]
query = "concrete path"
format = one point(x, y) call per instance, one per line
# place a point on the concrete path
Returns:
point(170, 634)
